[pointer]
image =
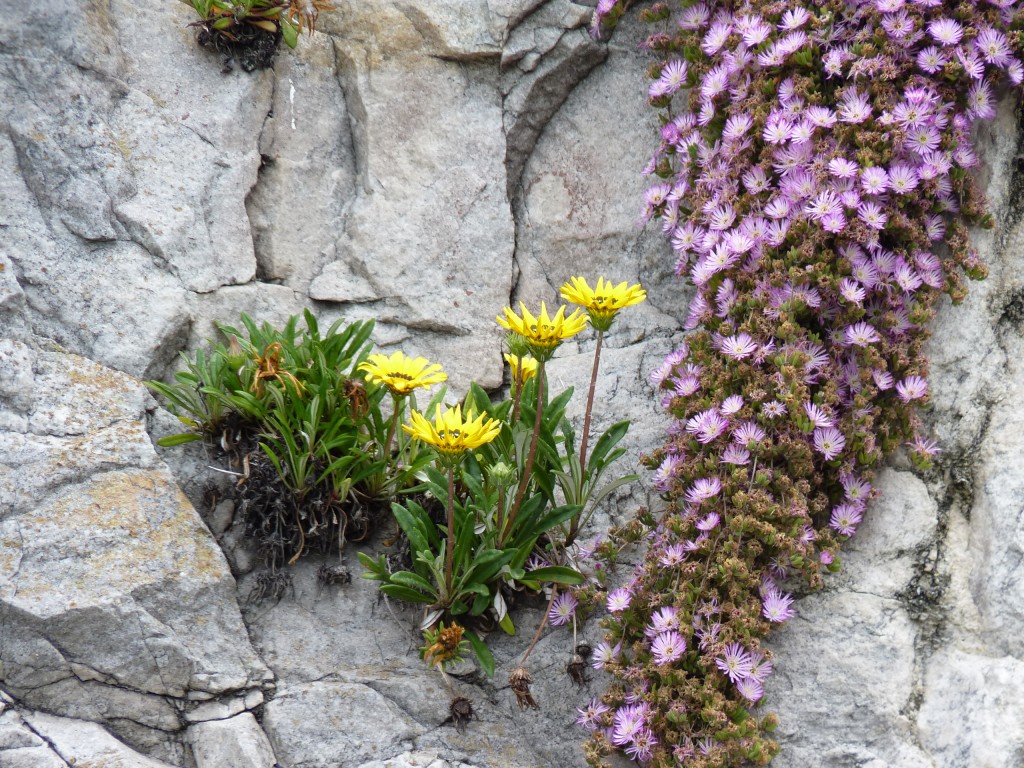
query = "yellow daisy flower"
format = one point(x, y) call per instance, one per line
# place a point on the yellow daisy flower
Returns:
point(543, 333)
point(527, 365)
point(450, 434)
point(605, 301)
point(402, 374)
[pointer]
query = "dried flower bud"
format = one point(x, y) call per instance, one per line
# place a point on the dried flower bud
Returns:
point(577, 668)
point(444, 645)
point(461, 712)
point(519, 679)
point(333, 574)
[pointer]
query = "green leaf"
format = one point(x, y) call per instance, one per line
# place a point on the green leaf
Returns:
point(311, 324)
point(486, 564)
point(405, 593)
point(482, 652)
point(476, 588)
point(273, 458)
point(377, 570)
point(507, 626)
point(608, 440)
point(266, 26)
point(624, 480)
point(411, 580)
point(525, 533)
point(556, 516)
point(480, 604)
point(289, 32)
point(466, 541)
point(556, 574)
point(180, 439)
point(410, 525)
point(478, 399)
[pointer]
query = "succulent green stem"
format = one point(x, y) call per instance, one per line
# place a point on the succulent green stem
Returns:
point(590, 404)
point(531, 455)
point(449, 551)
point(396, 399)
point(574, 524)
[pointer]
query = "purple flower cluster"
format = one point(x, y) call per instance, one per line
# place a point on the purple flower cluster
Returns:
point(812, 176)
point(745, 669)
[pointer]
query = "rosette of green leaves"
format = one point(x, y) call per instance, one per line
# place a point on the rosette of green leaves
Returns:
point(582, 487)
point(557, 462)
point(191, 398)
point(304, 416)
point(479, 564)
point(233, 19)
point(475, 564)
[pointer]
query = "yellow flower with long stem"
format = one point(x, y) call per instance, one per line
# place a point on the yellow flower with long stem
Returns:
point(451, 435)
point(602, 304)
point(543, 333)
point(523, 368)
point(401, 375)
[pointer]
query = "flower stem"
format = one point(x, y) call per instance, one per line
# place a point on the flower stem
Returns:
point(543, 623)
point(528, 467)
point(450, 549)
point(574, 524)
point(517, 392)
point(500, 527)
point(391, 429)
point(590, 404)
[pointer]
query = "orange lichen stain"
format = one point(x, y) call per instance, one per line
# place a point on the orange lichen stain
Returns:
point(10, 552)
point(117, 532)
point(10, 561)
point(91, 377)
point(105, 446)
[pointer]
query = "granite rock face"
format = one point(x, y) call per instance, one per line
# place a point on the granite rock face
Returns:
point(912, 655)
point(423, 163)
point(116, 604)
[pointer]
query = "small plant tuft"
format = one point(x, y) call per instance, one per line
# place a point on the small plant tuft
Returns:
point(249, 31)
point(490, 496)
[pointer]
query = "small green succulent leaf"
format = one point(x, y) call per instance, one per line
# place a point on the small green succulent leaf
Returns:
point(405, 593)
point(180, 439)
point(483, 653)
point(289, 33)
point(556, 574)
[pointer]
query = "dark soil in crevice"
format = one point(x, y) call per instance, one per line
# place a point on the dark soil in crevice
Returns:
point(252, 48)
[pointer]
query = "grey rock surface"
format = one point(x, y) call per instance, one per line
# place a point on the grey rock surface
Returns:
point(317, 725)
point(418, 759)
point(423, 163)
point(116, 604)
point(910, 655)
point(39, 740)
point(234, 742)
